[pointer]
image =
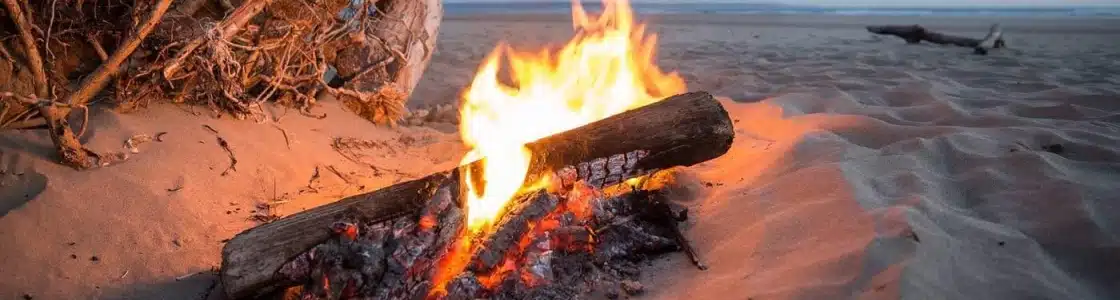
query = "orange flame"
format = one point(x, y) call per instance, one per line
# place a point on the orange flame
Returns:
point(606, 69)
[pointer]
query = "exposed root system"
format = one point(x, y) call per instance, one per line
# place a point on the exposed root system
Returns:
point(228, 55)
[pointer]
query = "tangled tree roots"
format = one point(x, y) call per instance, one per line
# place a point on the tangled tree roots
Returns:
point(243, 52)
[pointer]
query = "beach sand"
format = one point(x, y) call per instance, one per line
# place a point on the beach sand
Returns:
point(862, 167)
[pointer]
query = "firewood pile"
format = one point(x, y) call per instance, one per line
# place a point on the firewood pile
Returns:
point(585, 218)
point(59, 56)
point(567, 243)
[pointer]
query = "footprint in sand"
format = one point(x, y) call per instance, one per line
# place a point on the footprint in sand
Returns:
point(19, 182)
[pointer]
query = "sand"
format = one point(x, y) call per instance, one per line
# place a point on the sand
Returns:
point(862, 167)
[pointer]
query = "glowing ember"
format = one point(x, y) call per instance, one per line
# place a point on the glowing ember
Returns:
point(606, 69)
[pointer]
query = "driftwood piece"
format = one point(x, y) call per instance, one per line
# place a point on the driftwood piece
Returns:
point(914, 34)
point(682, 130)
point(379, 75)
point(406, 39)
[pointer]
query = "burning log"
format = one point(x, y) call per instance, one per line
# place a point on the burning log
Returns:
point(682, 130)
point(561, 257)
point(512, 226)
point(539, 249)
point(914, 34)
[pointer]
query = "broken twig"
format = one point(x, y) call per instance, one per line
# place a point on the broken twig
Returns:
point(314, 179)
point(663, 213)
point(285, 133)
point(339, 174)
point(225, 146)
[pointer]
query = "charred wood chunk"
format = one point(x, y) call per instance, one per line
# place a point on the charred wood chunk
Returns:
point(509, 229)
point(465, 287)
point(572, 238)
point(536, 268)
point(417, 245)
point(574, 269)
point(391, 259)
point(606, 211)
point(631, 226)
point(634, 240)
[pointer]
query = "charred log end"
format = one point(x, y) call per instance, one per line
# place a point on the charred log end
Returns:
point(252, 259)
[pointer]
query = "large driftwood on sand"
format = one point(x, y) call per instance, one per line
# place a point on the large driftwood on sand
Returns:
point(914, 34)
point(678, 131)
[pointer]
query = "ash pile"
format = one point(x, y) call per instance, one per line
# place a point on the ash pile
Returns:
point(574, 242)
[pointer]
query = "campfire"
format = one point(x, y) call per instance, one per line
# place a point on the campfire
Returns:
point(559, 198)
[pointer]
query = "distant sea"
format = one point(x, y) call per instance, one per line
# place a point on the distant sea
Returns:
point(739, 8)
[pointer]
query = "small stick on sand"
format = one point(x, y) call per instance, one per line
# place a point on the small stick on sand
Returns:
point(178, 186)
point(285, 132)
point(339, 174)
point(662, 212)
point(180, 278)
point(225, 146)
point(314, 178)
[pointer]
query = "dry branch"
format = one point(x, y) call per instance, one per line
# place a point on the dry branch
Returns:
point(69, 149)
point(226, 29)
point(679, 131)
point(31, 51)
point(97, 80)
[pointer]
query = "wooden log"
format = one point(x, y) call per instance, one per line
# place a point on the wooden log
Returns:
point(914, 34)
point(682, 130)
